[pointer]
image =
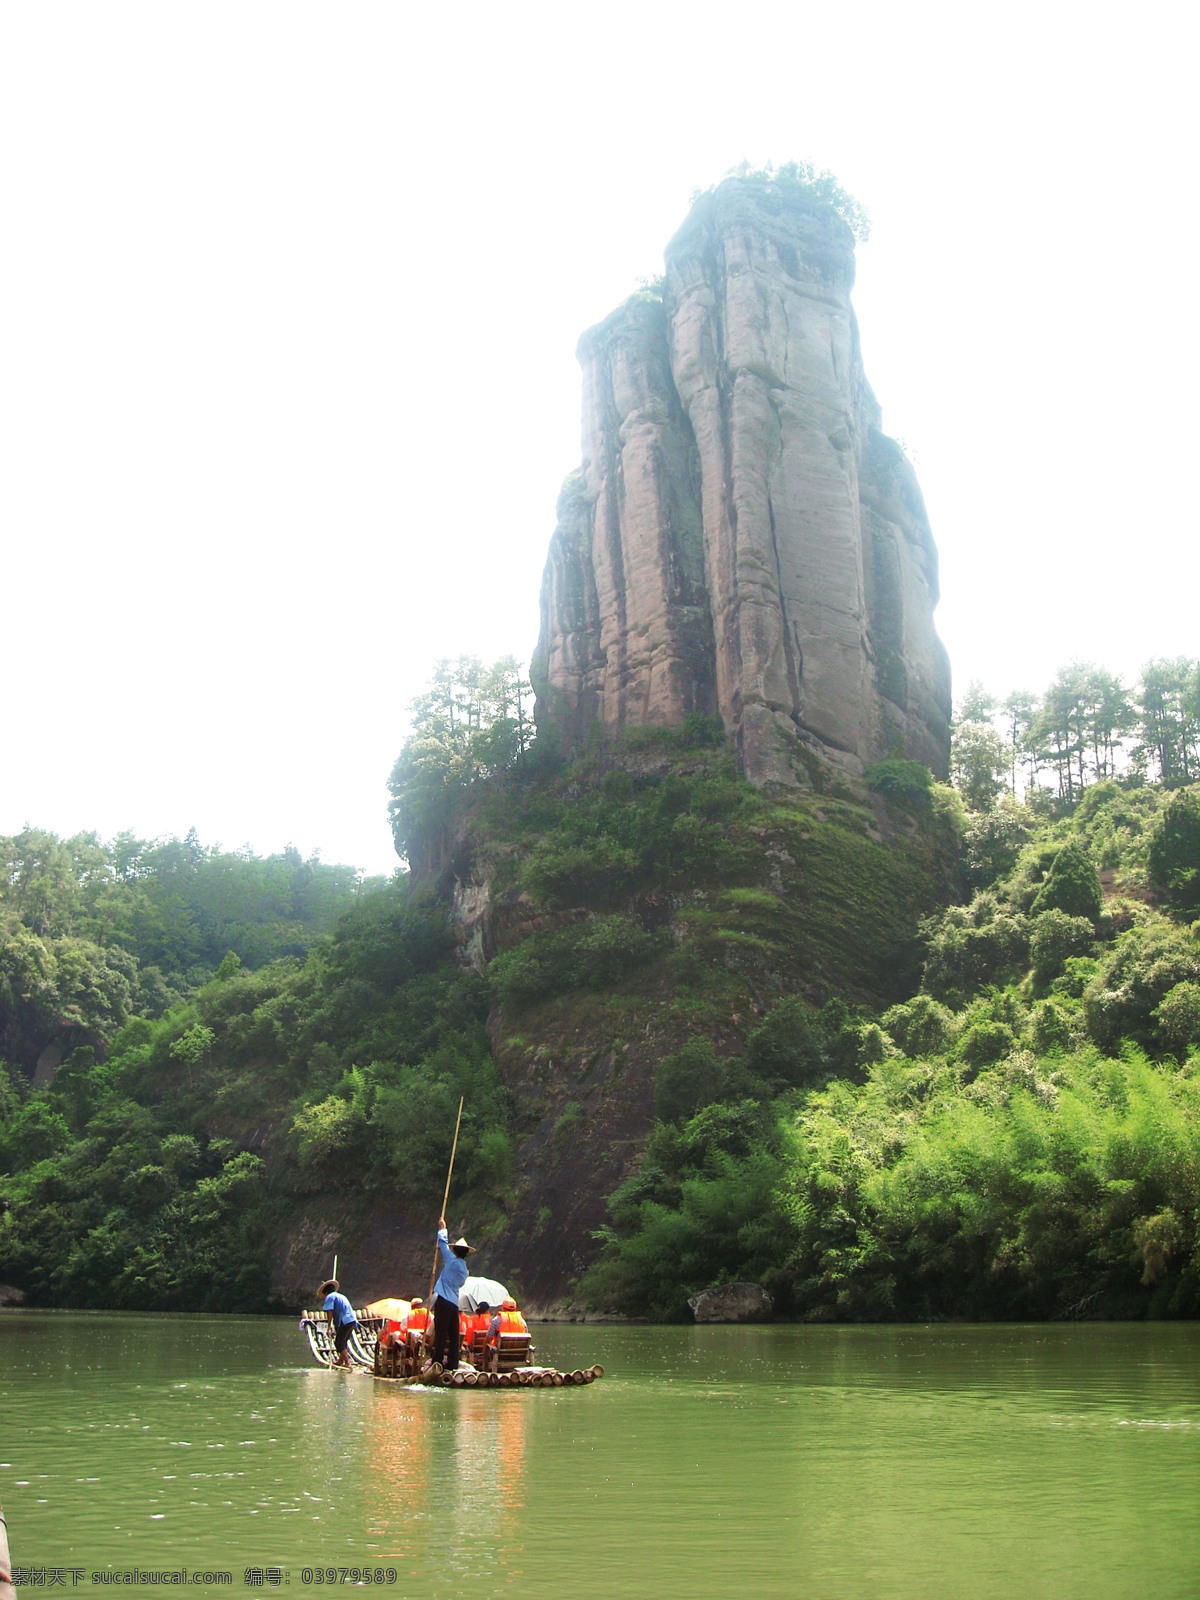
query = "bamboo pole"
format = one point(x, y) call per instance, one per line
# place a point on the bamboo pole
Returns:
point(436, 1251)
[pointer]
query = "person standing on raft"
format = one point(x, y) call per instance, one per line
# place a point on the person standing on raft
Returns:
point(445, 1296)
point(341, 1318)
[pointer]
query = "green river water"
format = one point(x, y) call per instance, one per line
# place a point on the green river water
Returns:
point(921, 1462)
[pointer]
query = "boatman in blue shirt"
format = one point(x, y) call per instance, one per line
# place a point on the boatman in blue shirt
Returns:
point(341, 1318)
point(445, 1297)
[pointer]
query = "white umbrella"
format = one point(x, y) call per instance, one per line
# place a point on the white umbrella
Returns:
point(476, 1290)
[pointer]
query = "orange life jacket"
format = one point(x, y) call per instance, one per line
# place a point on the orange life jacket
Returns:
point(512, 1322)
point(418, 1319)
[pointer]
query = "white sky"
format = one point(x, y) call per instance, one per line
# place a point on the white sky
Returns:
point(289, 298)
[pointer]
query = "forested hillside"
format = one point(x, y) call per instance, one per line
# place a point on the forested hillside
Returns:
point(1020, 1138)
point(893, 1049)
point(115, 1194)
point(92, 934)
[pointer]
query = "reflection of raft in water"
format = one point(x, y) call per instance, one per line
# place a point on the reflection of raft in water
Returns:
point(387, 1342)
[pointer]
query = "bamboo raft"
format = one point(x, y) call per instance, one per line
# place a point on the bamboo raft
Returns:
point(465, 1377)
point(507, 1367)
point(383, 1344)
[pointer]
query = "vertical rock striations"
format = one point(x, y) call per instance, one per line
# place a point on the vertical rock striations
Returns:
point(742, 537)
point(630, 640)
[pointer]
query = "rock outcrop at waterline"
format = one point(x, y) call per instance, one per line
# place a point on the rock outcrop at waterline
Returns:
point(742, 538)
point(732, 1302)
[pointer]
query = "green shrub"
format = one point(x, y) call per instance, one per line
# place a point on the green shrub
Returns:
point(992, 842)
point(127, 1217)
point(792, 1044)
point(597, 870)
point(608, 831)
point(413, 1117)
point(35, 1132)
point(1114, 823)
point(1174, 854)
point(1135, 978)
point(797, 1045)
point(1028, 878)
point(569, 1123)
point(193, 1046)
point(1021, 1197)
point(920, 1026)
point(695, 1076)
point(972, 946)
point(905, 783)
point(591, 955)
point(1055, 938)
point(10, 1098)
point(1052, 1026)
point(609, 948)
point(1157, 1239)
point(134, 1035)
point(701, 1209)
point(1078, 972)
point(326, 1136)
point(1178, 1018)
point(1073, 886)
point(985, 1042)
point(538, 966)
point(871, 1045)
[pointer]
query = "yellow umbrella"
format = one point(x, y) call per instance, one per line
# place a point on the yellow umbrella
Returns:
point(395, 1309)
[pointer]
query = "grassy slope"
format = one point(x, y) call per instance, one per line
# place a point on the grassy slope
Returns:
point(718, 900)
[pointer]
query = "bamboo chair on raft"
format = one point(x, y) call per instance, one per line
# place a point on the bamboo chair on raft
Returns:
point(513, 1351)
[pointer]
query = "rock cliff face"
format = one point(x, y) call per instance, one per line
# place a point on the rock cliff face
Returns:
point(742, 538)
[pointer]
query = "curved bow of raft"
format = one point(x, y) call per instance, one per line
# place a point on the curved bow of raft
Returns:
point(399, 1360)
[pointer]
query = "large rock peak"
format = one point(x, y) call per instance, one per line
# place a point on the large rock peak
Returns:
point(741, 537)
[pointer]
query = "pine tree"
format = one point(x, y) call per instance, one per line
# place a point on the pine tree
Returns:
point(1073, 885)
